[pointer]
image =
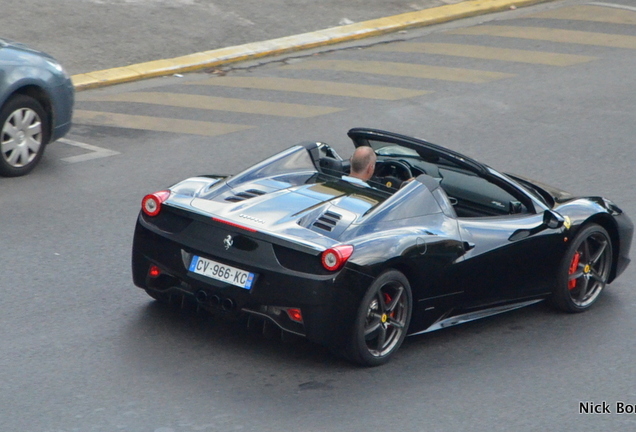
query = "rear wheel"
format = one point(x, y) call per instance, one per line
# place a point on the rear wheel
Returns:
point(23, 135)
point(585, 270)
point(382, 320)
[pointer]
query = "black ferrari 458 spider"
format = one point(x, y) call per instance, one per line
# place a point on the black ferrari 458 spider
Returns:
point(357, 267)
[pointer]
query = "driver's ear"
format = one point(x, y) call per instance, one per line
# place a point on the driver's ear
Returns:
point(371, 169)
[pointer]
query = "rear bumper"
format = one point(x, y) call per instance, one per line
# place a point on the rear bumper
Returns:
point(328, 302)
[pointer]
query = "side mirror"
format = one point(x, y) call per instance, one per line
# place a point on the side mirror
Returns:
point(552, 219)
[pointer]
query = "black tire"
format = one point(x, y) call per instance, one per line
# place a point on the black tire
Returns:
point(584, 271)
point(382, 320)
point(24, 132)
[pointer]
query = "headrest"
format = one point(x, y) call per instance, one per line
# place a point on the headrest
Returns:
point(331, 166)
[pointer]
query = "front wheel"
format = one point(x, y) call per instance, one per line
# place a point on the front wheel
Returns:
point(584, 271)
point(23, 135)
point(382, 320)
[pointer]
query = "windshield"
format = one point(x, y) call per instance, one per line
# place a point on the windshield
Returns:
point(534, 190)
point(388, 149)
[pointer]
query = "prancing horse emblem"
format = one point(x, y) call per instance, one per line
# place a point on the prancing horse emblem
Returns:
point(228, 242)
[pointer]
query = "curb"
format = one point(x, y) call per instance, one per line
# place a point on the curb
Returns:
point(330, 36)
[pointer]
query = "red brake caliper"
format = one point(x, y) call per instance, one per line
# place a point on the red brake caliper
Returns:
point(387, 301)
point(573, 266)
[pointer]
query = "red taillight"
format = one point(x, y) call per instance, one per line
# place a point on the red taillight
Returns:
point(295, 315)
point(154, 271)
point(151, 204)
point(333, 259)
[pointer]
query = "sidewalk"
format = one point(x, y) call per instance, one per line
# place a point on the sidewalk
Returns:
point(104, 42)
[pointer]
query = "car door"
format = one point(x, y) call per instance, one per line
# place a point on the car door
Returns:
point(514, 243)
point(508, 257)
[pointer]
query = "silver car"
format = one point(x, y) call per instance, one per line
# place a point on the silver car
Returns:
point(36, 106)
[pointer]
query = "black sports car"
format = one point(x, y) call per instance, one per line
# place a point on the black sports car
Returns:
point(433, 240)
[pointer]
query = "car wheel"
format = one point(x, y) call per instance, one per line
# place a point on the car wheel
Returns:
point(23, 135)
point(584, 271)
point(382, 320)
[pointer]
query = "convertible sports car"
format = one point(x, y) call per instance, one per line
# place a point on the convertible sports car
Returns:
point(435, 239)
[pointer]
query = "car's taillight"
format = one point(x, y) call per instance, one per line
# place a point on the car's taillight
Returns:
point(333, 259)
point(151, 204)
point(295, 314)
point(154, 271)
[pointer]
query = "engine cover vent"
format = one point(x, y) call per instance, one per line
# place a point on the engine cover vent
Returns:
point(241, 196)
point(328, 221)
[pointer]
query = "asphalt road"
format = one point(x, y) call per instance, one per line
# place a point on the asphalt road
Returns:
point(89, 35)
point(82, 349)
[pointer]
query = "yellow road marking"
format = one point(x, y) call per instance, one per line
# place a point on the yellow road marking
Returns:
point(590, 13)
point(313, 87)
point(155, 123)
point(403, 70)
point(288, 44)
point(552, 35)
point(220, 104)
point(487, 53)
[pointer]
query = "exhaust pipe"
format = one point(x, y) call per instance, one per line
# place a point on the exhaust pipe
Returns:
point(201, 296)
point(227, 304)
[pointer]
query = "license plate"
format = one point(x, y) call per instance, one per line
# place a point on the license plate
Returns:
point(222, 272)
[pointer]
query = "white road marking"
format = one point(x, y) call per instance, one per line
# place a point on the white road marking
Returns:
point(614, 5)
point(97, 152)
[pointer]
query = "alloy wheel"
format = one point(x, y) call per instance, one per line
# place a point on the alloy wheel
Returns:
point(589, 269)
point(386, 319)
point(21, 137)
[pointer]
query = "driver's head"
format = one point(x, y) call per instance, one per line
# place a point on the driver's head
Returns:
point(363, 163)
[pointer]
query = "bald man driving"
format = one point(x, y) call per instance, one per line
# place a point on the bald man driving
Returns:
point(362, 164)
